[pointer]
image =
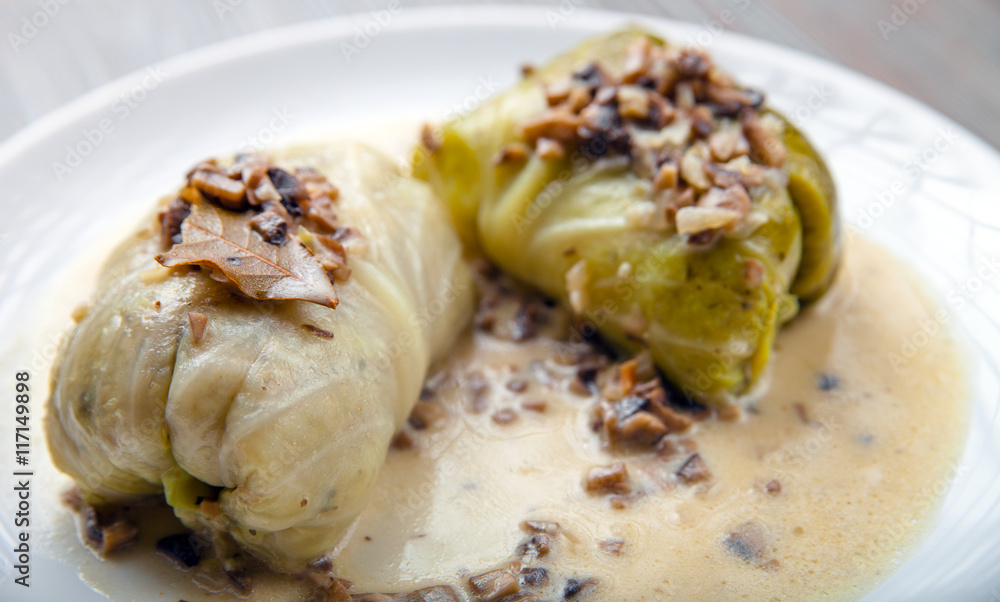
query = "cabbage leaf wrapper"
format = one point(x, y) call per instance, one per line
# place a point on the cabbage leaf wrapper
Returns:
point(641, 186)
point(265, 421)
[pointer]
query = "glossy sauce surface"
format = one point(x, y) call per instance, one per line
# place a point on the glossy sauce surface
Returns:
point(862, 452)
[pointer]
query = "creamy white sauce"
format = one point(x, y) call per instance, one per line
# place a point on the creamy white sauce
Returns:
point(860, 482)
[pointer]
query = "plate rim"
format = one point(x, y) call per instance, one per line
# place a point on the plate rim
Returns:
point(585, 20)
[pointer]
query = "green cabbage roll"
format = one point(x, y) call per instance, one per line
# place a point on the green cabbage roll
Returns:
point(641, 186)
point(228, 381)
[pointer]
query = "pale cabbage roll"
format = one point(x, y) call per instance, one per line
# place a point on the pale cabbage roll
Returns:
point(667, 206)
point(283, 409)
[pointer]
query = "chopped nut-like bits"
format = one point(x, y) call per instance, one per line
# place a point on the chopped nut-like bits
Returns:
point(694, 470)
point(494, 585)
point(608, 479)
point(199, 322)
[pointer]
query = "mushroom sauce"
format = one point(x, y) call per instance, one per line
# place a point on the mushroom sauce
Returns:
point(821, 487)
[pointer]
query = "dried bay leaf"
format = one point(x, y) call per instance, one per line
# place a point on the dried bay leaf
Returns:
point(225, 242)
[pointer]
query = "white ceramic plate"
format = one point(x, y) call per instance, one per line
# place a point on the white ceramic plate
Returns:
point(908, 177)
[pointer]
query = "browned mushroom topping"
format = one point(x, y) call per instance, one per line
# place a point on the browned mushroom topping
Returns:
point(229, 193)
point(426, 414)
point(494, 585)
point(642, 417)
point(608, 479)
point(575, 586)
point(333, 257)
point(271, 227)
point(533, 577)
point(109, 532)
point(641, 428)
point(536, 546)
point(291, 190)
point(274, 203)
point(171, 219)
point(553, 124)
point(199, 322)
point(722, 177)
point(765, 147)
point(679, 119)
point(515, 152)
point(694, 470)
point(182, 548)
point(319, 211)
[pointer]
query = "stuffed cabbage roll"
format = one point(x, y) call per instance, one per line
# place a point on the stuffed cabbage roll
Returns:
point(258, 378)
point(662, 202)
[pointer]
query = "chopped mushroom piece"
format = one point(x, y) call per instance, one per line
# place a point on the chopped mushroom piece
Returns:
point(199, 322)
point(271, 227)
point(608, 479)
point(536, 546)
point(230, 193)
point(426, 414)
point(575, 586)
point(534, 577)
point(171, 219)
point(117, 536)
point(494, 585)
point(642, 428)
point(694, 470)
point(182, 548)
point(765, 146)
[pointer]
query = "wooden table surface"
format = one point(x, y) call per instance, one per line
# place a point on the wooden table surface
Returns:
point(945, 53)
